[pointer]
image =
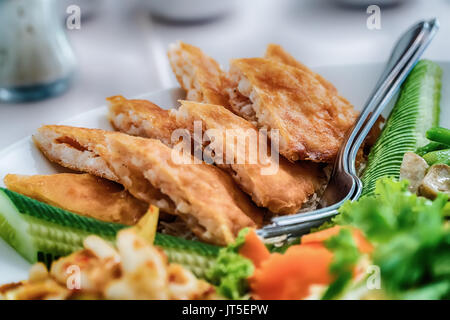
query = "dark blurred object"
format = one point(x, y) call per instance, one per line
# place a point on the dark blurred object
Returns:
point(366, 3)
point(36, 59)
point(188, 10)
point(89, 8)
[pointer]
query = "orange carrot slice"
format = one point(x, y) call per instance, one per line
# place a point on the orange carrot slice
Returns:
point(290, 275)
point(254, 249)
point(321, 236)
point(361, 242)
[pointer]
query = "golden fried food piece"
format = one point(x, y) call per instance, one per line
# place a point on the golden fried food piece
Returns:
point(141, 118)
point(83, 194)
point(198, 74)
point(147, 120)
point(281, 186)
point(206, 198)
point(277, 53)
point(293, 183)
point(85, 150)
point(312, 120)
point(202, 195)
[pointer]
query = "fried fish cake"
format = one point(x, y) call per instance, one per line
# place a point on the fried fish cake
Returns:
point(83, 194)
point(291, 184)
point(206, 198)
point(145, 119)
point(277, 53)
point(141, 118)
point(85, 150)
point(311, 119)
point(279, 185)
point(202, 195)
point(198, 74)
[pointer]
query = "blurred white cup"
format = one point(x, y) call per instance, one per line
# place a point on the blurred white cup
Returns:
point(189, 10)
point(364, 3)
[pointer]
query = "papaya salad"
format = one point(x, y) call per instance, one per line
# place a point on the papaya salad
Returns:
point(127, 222)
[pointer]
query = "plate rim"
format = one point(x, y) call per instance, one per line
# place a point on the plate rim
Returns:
point(28, 138)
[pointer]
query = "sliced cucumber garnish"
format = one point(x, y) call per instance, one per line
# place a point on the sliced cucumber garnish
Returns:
point(40, 232)
point(417, 110)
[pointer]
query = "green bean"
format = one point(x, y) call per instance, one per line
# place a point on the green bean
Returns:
point(432, 146)
point(439, 134)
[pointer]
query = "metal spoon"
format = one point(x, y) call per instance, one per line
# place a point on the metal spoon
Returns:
point(344, 183)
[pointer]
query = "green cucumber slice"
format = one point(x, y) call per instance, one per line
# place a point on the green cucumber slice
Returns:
point(416, 110)
point(40, 232)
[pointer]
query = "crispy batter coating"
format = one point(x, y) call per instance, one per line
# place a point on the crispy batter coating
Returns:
point(198, 74)
point(203, 196)
point(206, 198)
point(84, 194)
point(291, 184)
point(141, 118)
point(281, 186)
point(312, 120)
point(85, 150)
point(277, 53)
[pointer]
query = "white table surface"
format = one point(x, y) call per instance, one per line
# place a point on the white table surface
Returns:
point(122, 51)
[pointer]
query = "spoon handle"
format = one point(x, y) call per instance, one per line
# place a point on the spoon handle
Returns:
point(404, 56)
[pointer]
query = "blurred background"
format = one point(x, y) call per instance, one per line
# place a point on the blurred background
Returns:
point(50, 70)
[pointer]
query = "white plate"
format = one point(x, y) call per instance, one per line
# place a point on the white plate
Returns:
point(354, 82)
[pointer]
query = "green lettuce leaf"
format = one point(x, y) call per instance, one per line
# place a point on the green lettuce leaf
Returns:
point(345, 258)
point(412, 243)
point(230, 271)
